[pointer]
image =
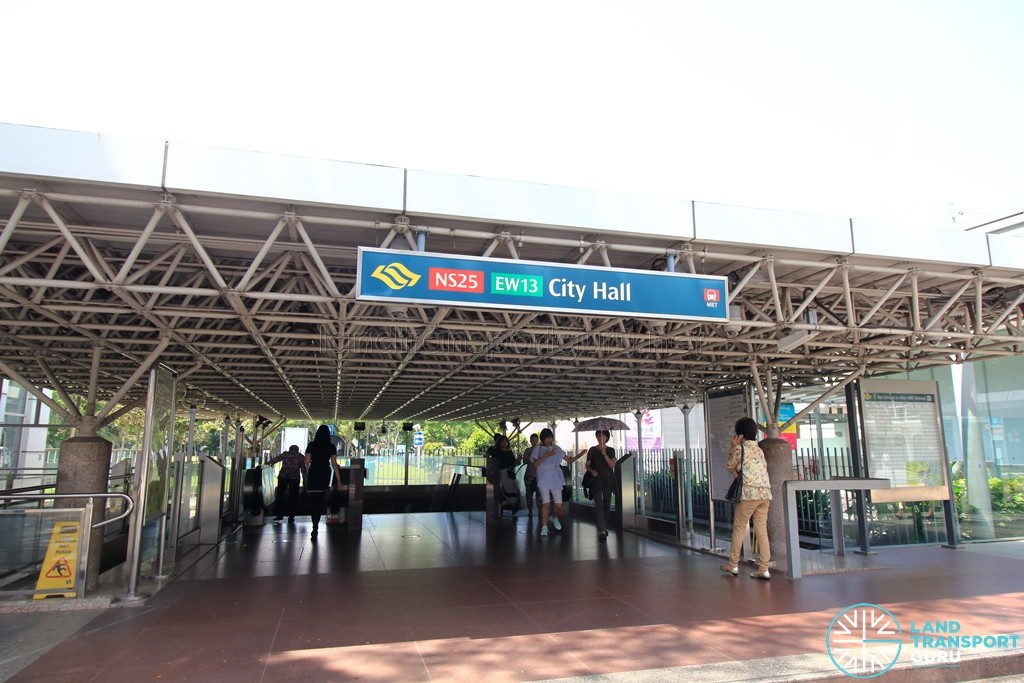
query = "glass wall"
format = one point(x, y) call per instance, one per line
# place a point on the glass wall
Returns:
point(983, 429)
point(983, 424)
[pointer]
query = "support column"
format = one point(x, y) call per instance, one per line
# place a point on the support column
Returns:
point(84, 467)
point(779, 455)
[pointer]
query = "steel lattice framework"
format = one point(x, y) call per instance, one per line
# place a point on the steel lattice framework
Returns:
point(251, 301)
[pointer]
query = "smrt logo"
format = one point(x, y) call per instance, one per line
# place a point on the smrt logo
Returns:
point(395, 275)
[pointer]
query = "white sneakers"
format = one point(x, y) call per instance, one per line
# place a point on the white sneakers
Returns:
point(555, 522)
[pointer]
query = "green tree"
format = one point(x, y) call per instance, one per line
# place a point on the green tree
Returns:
point(55, 436)
point(478, 441)
point(447, 433)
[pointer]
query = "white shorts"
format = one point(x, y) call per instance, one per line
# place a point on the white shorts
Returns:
point(550, 495)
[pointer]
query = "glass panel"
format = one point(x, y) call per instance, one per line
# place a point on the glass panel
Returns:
point(11, 437)
point(425, 468)
point(983, 421)
point(657, 484)
point(156, 470)
point(25, 534)
point(188, 519)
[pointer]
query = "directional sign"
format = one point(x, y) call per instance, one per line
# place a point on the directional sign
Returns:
point(420, 277)
point(417, 439)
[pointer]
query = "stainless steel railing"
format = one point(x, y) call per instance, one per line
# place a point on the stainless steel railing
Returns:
point(83, 554)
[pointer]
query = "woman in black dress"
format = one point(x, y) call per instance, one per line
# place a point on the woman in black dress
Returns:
point(601, 464)
point(321, 463)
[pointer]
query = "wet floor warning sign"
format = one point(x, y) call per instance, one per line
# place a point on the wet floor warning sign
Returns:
point(58, 570)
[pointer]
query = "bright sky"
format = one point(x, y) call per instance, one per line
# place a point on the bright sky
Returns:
point(896, 110)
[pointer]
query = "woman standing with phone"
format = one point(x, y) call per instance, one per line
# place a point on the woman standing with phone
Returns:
point(755, 498)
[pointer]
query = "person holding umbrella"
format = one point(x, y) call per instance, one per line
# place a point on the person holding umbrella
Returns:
point(601, 464)
point(548, 458)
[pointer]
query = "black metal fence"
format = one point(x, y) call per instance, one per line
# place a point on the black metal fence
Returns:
point(887, 523)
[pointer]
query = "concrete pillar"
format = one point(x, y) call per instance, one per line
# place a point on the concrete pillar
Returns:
point(779, 455)
point(84, 467)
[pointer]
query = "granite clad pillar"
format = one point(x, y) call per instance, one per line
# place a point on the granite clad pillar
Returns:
point(84, 467)
point(779, 456)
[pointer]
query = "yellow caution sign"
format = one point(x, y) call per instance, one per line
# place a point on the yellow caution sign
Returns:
point(58, 570)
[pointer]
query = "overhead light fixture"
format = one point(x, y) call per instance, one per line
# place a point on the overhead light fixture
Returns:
point(733, 327)
point(686, 401)
point(795, 339)
point(396, 312)
point(303, 326)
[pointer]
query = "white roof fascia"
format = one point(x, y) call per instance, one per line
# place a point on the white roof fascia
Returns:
point(1007, 251)
point(507, 201)
point(913, 243)
point(52, 153)
point(196, 168)
point(768, 227)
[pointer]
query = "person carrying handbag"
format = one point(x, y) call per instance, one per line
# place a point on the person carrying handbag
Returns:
point(755, 498)
point(290, 481)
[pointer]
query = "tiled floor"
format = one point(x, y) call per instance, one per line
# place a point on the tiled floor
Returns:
point(440, 597)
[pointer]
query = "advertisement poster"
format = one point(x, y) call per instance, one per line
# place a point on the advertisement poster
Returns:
point(903, 439)
point(786, 412)
point(650, 430)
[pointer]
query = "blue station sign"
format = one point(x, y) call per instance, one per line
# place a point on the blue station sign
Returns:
point(427, 278)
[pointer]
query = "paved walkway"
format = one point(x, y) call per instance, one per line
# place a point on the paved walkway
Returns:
point(439, 597)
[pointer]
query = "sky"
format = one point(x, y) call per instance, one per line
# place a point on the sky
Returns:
point(901, 111)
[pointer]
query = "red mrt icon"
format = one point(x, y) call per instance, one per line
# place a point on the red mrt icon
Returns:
point(711, 295)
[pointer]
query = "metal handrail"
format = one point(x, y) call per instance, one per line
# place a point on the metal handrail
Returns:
point(25, 489)
point(129, 506)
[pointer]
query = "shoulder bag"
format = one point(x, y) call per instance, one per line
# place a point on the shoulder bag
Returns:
point(735, 491)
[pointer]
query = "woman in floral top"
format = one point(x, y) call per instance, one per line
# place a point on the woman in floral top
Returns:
point(754, 499)
point(293, 471)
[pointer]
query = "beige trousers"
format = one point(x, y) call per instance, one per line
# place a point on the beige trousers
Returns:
point(744, 511)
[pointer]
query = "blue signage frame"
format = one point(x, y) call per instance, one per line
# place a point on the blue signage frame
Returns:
point(427, 278)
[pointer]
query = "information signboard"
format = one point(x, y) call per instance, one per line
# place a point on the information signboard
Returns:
point(903, 439)
point(721, 411)
point(421, 277)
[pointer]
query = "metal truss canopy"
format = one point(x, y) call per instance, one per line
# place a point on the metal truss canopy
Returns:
point(251, 301)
